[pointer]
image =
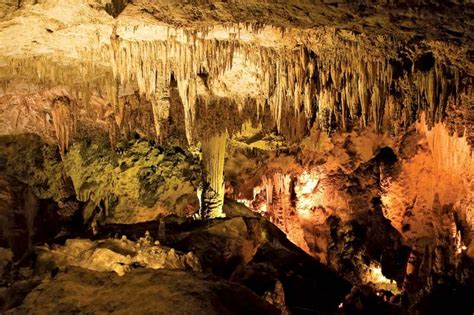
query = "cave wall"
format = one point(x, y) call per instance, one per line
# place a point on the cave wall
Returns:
point(376, 208)
point(137, 183)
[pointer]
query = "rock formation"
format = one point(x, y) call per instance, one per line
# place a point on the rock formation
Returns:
point(347, 125)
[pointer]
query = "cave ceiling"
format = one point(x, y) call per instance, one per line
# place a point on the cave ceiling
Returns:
point(334, 63)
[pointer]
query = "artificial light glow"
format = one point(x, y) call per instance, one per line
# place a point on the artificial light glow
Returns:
point(308, 195)
point(375, 276)
point(245, 202)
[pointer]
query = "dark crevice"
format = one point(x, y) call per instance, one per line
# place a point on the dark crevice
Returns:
point(115, 7)
point(425, 62)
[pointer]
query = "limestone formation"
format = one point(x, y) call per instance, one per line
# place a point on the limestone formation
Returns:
point(319, 142)
point(114, 255)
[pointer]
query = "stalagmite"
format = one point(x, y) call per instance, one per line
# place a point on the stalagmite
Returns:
point(212, 198)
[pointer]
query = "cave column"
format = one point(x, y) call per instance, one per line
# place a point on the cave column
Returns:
point(212, 193)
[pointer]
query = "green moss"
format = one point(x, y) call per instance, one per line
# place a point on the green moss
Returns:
point(142, 177)
point(139, 183)
point(28, 159)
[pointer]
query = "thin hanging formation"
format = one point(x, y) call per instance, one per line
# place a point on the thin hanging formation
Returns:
point(339, 88)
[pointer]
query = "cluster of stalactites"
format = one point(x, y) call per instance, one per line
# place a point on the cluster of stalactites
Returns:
point(351, 87)
point(82, 78)
point(337, 90)
point(63, 122)
point(278, 190)
point(151, 65)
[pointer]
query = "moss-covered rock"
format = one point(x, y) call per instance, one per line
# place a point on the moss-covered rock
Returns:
point(137, 185)
point(31, 161)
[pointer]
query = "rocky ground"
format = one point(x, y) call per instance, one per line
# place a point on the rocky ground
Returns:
point(239, 265)
point(247, 265)
point(140, 292)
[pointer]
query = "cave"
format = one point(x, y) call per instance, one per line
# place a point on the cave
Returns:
point(236, 157)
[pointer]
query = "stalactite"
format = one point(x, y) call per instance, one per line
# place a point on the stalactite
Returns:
point(213, 154)
point(341, 86)
point(62, 122)
point(187, 91)
point(161, 110)
point(278, 191)
point(268, 185)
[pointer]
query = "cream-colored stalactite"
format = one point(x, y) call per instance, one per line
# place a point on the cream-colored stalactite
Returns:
point(277, 188)
point(161, 110)
point(62, 122)
point(345, 84)
point(150, 64)
point(187, 92)
point(282, 183)
point(213, 155)
point(268, 185)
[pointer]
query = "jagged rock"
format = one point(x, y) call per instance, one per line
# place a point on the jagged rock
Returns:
point(221, 245)
point(145, 178)
point(148, 179)
point(255, 253)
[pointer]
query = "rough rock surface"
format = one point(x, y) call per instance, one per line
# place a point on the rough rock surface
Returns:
point(335, 65)
point(246, 250)
point(254, 252)
point(153, 180)
point(114, 255)
point(141, 291)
